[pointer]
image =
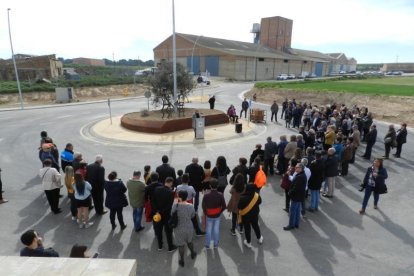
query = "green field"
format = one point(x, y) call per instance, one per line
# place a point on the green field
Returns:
point(394, 86)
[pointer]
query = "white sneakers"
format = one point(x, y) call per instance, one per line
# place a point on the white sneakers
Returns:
point(260, 240)
point(247, 244)
point(85, 225)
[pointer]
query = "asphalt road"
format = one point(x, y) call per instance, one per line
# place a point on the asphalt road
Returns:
point(335, 241)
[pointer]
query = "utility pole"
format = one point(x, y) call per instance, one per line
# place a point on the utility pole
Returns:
point(174, 60)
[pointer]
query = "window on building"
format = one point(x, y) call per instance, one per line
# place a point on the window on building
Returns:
point(261, 59)
point(285, 61)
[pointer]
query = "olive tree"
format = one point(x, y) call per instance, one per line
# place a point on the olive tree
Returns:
point(162, 86)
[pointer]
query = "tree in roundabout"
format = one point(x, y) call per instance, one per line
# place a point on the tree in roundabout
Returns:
point(162, 88)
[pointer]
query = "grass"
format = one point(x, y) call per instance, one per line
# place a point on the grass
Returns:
point(393, 86)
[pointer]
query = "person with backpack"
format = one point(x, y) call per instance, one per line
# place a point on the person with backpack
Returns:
point(220, 172)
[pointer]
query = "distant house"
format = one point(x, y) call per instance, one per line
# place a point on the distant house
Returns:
point(31, 67)
point(341, 63)
point(88, 61)
point(406, 67)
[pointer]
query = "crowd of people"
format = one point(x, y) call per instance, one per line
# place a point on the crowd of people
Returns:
point(309, 163)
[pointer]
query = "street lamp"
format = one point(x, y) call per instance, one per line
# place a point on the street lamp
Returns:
point(14, 62)
point(174, 60)
point(192, 53)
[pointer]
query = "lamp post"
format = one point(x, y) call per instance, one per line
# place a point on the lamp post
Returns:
point(192, 53)
point(174, 60)
point(14, 62)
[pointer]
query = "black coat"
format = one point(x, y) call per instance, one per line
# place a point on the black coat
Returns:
point(196, 173)
point(371, 136)
point(244, 201)
point(317, 173)
point(162, 201)
point(164, 171)
point(242, 169)
point(95, 174)
point(297, 188)
point(115, 194)
point(331, 166)
point(402, 136)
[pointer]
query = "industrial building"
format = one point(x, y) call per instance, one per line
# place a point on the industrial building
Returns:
point(271, 54)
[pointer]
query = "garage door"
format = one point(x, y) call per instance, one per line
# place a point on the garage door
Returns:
point(212, 65)
point(319, 69)
point(195, 60)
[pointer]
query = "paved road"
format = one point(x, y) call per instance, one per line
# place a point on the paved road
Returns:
point(335, 241)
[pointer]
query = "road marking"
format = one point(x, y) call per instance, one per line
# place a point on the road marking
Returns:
point(66, 116)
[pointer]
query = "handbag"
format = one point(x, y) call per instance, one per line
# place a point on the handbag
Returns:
point(387, 140)
point(173, 221)
point(381, 189)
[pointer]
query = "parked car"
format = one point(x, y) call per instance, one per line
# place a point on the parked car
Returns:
point(397, 73)
point(282, 77)
point(203, 79)
point(291, 76)
point(311, 75)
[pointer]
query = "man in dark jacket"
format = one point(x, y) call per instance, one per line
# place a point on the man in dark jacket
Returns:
point(270, 151)
point(95, 175)
point(401, 139)
point(213, 205)
point(331, 171)
point(196, 174)
point(165, 170)
point(274, 109)
point(66, 156)
point(370, 138)
point(162, 201)
point(211, 101)
point(245, 107)
point(297, 196)
point(34, 246)
point(315, 181)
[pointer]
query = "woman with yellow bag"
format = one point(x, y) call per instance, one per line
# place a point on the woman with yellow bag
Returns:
point(249, 214)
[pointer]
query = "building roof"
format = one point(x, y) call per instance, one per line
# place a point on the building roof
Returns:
point(237, 48)
point(310, 55)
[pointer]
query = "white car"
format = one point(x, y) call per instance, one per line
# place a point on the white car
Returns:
point(282, 77)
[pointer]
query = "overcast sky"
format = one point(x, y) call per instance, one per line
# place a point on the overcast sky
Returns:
point(371, 31)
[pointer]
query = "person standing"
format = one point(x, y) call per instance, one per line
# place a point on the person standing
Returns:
point(389, 140)
point(244, 108)
point(83, 200)
point(281, 163)
point(315, 181)
point(220, 172)
point(370, 138)
point(2, 200)
point(69, 183)
point(136, 193)
point(240, 168)
point(331, 171)
point(46, 153)
point(213, 205)
point(184, 232)
point(249, 213)
point(274, 108)
point(329, 137)
point(284, 107)
point(196, 174)
point(95, 175)
point(356, 136)
point(211, 101)
point(232, 206)
point(34, 246)
point(270, 152)
point(194, 118)
point(115, 199)
point(51, 185)
point(162, 201)
point(374, 182)
point(165, 170)
point(66, 156)
point(401, 139)
point(297, 196)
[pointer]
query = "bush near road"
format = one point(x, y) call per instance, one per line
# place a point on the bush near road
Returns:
point(392, 86)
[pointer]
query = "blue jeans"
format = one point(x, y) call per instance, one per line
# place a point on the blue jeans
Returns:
point(212, 224)
point(368, 191)
point(294, 213)
point(137, 217)
point(314, 199)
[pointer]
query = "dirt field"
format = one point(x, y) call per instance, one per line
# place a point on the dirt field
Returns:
point(384, 108)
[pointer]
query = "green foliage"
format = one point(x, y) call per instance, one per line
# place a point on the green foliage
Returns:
point(162, 83)
point(397, 86)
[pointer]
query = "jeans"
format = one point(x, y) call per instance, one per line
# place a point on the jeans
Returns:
point(212, 224)
point(368, 191)
point(287, 199)
point(294, 213)
point(245, 113)
point(118, 212)
point(234, 222)
point(269, 165)
point(387, 149)
point(314, 199)
point(137, 217)
point(275, 115)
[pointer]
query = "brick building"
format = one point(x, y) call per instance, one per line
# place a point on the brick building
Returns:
point(269, 56)
point(31, 67)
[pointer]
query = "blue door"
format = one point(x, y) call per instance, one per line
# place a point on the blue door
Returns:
point(212, 65)
point(196, 64)
point(319, 69)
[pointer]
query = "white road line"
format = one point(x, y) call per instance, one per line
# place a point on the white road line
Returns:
point(66, 116)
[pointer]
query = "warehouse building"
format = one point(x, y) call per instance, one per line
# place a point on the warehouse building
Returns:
point(271, 54)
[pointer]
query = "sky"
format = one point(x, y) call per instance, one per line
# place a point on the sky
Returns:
point(371, 31)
